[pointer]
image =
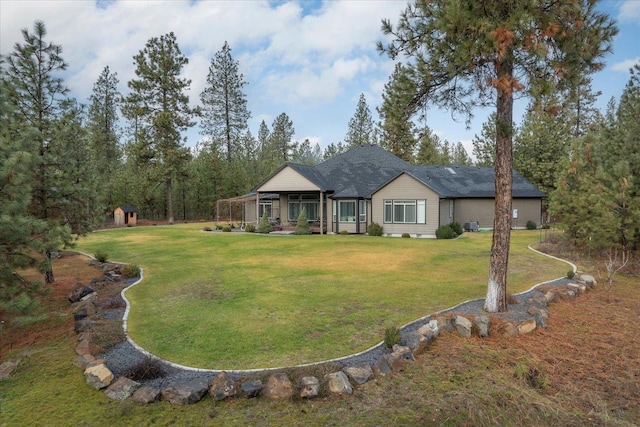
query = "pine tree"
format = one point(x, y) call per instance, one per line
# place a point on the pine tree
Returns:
point(429, 148)
point(333, 150)
point(36, 95)
point(302, 225)
point(396, 113)
point(484, 145)
point(225, 113)
point(469, 53)
point(280, 139)
point(104, 138)
point(360, 130)
point(159, 107)
point(460, 155)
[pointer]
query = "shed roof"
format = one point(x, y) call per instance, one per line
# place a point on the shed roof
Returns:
point(128, 208)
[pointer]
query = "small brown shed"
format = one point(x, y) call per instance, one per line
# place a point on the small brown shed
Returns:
point(125, 215)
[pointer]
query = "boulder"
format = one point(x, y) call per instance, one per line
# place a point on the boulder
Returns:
point(278, 387)
point(251, 389)
point(121, 389)
point(463, 325)
point(309, 387)
point(577, 287)
point(399, 357)
point(417, 342)
point(185, 393)
point(551, 296)
point(445, 323)
point(588, 280)
point(338, 383)
point(78, 292)
point(430, 330)
point(87, 347)
point(359, 374)
point(527, 326)
point(83, 361)
point(7, 368)
point(541, 319)
point(98, 376)
point(223, 386)
point(482, 323)
point(538, 299)
point(382, 368)
point(146, 395)
point(508, 329)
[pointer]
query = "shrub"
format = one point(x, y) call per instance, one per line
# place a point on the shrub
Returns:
point(130, 271)
point(531, 225)
point(344, 232)
point(101, 256)
point(445, 232)
point(250, 228)
point(148, 369)
point(392, 336)
point(226, 229)
point(570, 274)
point(546, 226)
point(264, 226)
point(456, 227)
point(206, 229)
point(302, 226)
point(406, 235)
point(374, 229)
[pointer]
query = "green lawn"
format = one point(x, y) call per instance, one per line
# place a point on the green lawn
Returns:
point(243, 301)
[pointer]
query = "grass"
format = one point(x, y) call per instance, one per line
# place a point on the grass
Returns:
point(586, 365)
point(242, 301)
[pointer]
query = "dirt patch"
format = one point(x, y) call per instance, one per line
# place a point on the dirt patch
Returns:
point(52, 319)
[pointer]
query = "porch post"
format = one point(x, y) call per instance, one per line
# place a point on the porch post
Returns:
point(321, 212)
point(257, 207)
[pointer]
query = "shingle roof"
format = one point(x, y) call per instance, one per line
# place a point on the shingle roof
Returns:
point(362, 170)
point(128, 208)
point(469, 181)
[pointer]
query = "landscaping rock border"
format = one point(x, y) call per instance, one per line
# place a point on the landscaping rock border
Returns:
point(180, 385)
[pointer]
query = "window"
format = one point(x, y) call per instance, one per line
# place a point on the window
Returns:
point(308, 202)
point(362, 210)
point(347, 210)
point(405, 211)
point(265, 206)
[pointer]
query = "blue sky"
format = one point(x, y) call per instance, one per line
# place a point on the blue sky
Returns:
point(308, 59)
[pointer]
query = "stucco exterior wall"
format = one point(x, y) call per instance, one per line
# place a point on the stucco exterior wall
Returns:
point(482, 210)
point(407, 188)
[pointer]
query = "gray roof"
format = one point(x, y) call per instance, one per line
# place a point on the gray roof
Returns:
point(362, 170)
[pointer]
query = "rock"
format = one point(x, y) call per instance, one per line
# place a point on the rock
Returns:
point(537, 310)
point(551, 296)
point(338, 383)
point(80, 314)
point(146, 395)
point(482, 323)
point(279, 387)
point(109, 267)
point(445, 324)
point(399, 357)
point(417, 342)
point(87, 347)
point(538, 299)
point(527, 326)
point(382, 368)
point(588, 280)
point(87, 306)
point(251, 389)
point(98, 376)
point(223, 386)
point(122, 389)
point(7, 368)
point(571, 294)
point(185, 393)
point(509, 330)
point(79, 292)
point(463, 325)
point(83, 361)
point(360, 374)
point(577, 287)
point(309, 387)
point(541, 319)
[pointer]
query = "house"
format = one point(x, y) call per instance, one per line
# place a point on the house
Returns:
point(125, 215)
point(369, 184)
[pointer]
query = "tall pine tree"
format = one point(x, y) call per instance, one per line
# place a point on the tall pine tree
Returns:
point(468, 53)
point(360, 130)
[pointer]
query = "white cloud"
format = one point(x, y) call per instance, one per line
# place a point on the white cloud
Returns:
point(630, 11)
point(625, 65)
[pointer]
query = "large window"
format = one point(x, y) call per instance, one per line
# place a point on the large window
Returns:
point(362, 210)
point(265, 206)
point(347, 209)
point(308, 202)
point(405, 211)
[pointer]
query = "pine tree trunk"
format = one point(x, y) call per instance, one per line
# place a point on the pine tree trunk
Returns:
point(496, 300)
point(170, 200)
point(48, 273)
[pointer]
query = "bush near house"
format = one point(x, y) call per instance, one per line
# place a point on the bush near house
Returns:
point(445, 232)
point(374, 229)
point(531, 225)
point(264, 226)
